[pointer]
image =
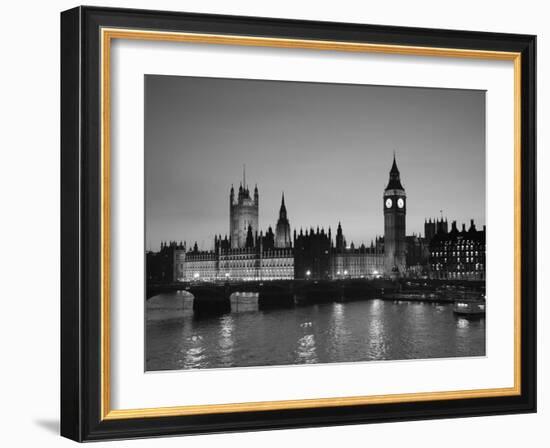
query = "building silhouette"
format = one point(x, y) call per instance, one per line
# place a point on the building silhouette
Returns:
point(283, 237)
point(432, 227)
point(395, 210)
point(312, 250)
point(243, 215)
point(248, 253)
point(161, 265)
point(340, 240)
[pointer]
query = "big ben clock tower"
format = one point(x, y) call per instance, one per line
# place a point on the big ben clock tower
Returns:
point(395, 209)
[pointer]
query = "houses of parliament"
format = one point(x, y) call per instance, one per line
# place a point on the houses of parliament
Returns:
point(249, 253)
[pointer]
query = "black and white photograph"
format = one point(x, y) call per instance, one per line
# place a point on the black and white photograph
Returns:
point(294, 223)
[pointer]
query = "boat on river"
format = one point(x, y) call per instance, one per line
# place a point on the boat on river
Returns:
point(473, 308)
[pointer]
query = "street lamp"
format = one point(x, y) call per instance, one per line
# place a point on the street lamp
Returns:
point(196, 275)
point(308, 273)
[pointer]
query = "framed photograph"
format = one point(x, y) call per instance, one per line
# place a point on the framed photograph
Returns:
point(275, 224)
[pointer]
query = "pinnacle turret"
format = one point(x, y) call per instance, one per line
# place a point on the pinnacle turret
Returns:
point(394, 182)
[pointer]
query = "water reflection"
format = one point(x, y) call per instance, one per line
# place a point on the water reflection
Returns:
point(332, 332)
point(226, 340)
point(338, 325)
point(462, 323)
point(193, 355)
point(242, 302)
point(377, 338)
point(170, 306)
point(306, 349)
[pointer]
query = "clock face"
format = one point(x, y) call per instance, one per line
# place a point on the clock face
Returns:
point(400, 203)
point(388, 203)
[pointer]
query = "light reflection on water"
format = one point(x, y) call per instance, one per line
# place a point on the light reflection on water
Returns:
point(193, 356)
point(377, 338)
point(306, 350)
point(226, 339)
point(333, 332)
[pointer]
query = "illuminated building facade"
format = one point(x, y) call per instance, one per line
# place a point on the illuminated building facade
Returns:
point(458, 254)
point(235, 265)
point(361, 262)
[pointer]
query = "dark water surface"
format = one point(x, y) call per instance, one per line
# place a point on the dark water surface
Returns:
point(333, 332)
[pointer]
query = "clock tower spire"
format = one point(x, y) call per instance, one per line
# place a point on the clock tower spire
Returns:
point(395, 210)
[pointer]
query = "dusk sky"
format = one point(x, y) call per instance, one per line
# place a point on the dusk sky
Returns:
point(329, 147)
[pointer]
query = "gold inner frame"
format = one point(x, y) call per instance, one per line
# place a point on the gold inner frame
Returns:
point(107, 35)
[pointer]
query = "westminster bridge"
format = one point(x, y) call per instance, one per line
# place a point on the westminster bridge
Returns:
point(214, 297)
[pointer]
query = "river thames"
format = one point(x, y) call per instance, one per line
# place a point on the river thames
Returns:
point(366, 330)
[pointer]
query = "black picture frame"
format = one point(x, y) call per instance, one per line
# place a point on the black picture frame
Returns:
point(81, 224)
